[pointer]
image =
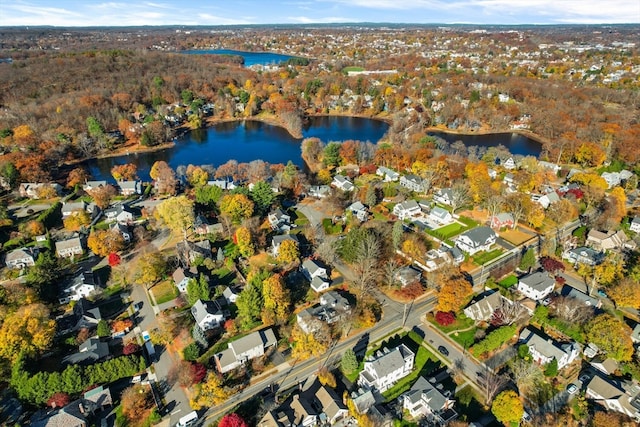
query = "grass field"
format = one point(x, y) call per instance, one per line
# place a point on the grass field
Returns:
point(508, 281)
point(164, 292)
point(484, 257)
point(352, 68)
point(465, 338)
point(450, 230)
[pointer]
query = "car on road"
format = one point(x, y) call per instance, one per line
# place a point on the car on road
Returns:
point(572, 388)
point(443, 350)
point(145, 336)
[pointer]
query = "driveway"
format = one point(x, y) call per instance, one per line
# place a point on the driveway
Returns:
point(314, 216)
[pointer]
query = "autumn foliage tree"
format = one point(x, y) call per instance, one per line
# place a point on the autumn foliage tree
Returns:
point(232, 420)
point(211, 392)
point(77, 176)
point(508, 407)
point(243, 240)
point(236, 206)
point(125, 172)
point(28, 330)
point(626, 293)
point(177, 213)
point(76, 220)
point(305, 345)
point(105, 242)
point(288, 252)
point(58, 400)
point(454, 293)
point(114, 259)
point(445, 318)
point(611, 335)
point(102, 195)
point(164, 177)
point(276, 300)
point(136, 403)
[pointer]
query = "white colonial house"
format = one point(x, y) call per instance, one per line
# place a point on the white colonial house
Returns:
point(316, 274)
point(342, 182)
point(383, 369)
point(181, 278)
point(635, 224)
point(244, 349)
point(483, 309)
point(208, 314)
point(543, 350)
point(425, 399)
point(358, 210)
point(279, 221)
point(129, 188)
point(388, 175)
point(476, 240)
point(81, 286)
point(444, 196)
point(69, 248)
point(509, 164)
point(536, 285)
point(407, 209)
point(21, 258)
point(413, 183)
point(440, 216)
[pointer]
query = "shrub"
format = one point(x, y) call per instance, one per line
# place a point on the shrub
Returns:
point(191, 352)
point(445, 318)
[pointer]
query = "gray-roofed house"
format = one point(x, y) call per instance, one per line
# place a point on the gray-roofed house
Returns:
point(407, 275)
point(69, 416)
point(584, 255)
point(34, 190)
point(383, 369)
point(634, 225)
point(86, 314)
point(70, 208)
point(277, 241)
point(279, 221)
point(440, 215)
point(119, 213)
point(407, 209)
point(476, 240)
point(90, 351)
point(129, 188)
point(413, 183)
point(319, 191)
point(589, 301)
point(615, 396)
point(548, 199)
point(81, 286)
point(332, 308)
point(635, 335)
point(244, 349)
point(426, 400)
point(181, 277)
point(304, 414)
point(613, 240)
point(189, 252)
point(230, 294)
point(536, 285)
point(208, 314)
point(543, 349)
point(69, 248)
point(388, 175)
point(503, 219)
point(483, 309)
point(359, 210)
point(342, 182)
point(444, 196)
point(21, 258)
point(316, 274)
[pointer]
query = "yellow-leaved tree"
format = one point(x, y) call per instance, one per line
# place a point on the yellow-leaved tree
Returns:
point(277, 300)
point(243, 240)
point(236, 206)
point(105, 242)
point(28, 330)
point(288, 252)
point(305, 345)
point(626, 293)
point(177, 213)
point(454, 293)
point(211, 392)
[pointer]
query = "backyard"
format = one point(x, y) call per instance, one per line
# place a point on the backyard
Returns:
point(481, 258)
point(164, 292)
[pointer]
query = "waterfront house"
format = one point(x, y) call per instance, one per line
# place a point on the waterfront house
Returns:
point(129, 188)
point(342, 182)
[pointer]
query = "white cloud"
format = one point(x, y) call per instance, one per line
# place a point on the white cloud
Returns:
point(314, 20)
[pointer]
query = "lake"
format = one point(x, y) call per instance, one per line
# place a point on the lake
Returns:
point(244, 141)
point(250, 58)
point(515, 143)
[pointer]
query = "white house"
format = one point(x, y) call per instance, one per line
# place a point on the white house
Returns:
point(359, 211)
point(425, 399)
point(333, 307)
point(548, 199)
point(413, 183)
point(407, 275)
point(181, 278)
point(129, 188)
point(476, 240)
point(92, 185)
point(544, 350)
point(407, 209)
point(208, 314)
point(119, 213)
point(584, 255)
point(635, 224)
point(509, 164)
point(615, 396)
point(280, 221)
point(81, 286)
point(440, 215)
point(244, 349)
point(483, 309)
point(316, 274)
point(230, 294)
point(319, 191)
point(69, 248)
point(536, 285)
point(224, 184)
point(388, 175)
point(21, 258)
point(383, 369)
point(277, 241)
point(342, 182)
point(444, 196)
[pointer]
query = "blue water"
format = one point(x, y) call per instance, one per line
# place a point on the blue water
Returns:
point(250, 58)
point(244, 142)
point(515, 143)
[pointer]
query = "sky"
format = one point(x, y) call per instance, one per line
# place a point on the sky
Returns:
point(243, 12)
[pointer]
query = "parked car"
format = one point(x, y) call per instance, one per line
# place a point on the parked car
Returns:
point(443, 350)
point(572, 388)
point(145, 336)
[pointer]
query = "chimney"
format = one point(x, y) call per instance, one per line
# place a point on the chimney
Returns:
point(81, 408)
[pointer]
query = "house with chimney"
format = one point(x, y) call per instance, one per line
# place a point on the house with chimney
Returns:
point(245, 349)
point(544, 349)
point(385, 367)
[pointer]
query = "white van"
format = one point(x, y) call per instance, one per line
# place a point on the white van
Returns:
point(188, 420)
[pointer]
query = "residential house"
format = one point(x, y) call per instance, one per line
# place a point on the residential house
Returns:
point(616, 178)
point(635, 335)
point(86, 314)
point(548, 165)
point(279, 221)
point(120, 213)
point(181, 277)
point(413, 183)
point(202, 227)
point(544, 349)
point(304, 414)
point(435, 259)
point(319, 191)
point(388, 175)
point(440, 215)
point(536, 285)
point(407, 275)
point(476, 240)
point(634, 225)
point(358, 210)
point(89, 352)
point(444, 196)
point(69, 248)
point(208, 314)
point(584, 255)
point(129, 188)
point(426, 400)
point(230, 294)
point(76, 413)
point(609, 241)
point(342, 182)
point(21, 258)
point(482, 309)
point(244, 349)
point(501, 220)
point(606, 365)
point(71, 208)
point(189, 252)
point(509, 164)
point(332, 308)
point(225, 184)
point(407, 209)
point(509, 179)
point(615, 396)
point(383, 369)
point(548, 199)
point(316, 274)
point(493, 174)
point(571, 292)
point(33, 190)
point(277, 241)
point(123, 230)
point(81, 286)
point(93, 185)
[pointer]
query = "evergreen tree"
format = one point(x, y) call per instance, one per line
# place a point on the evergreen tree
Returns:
point(349, 361)
point(250, 304)
point(528, 260)
point(103, 329)
point(263, 197)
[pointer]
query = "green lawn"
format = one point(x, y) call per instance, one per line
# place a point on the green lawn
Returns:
point(466, 338)
point(331, 228)
point(482, 258)
point(301, 219)
point(467, 221)
point(352, 68)
point(462, 322)
point(508, 281)
point(164, 292)
point(450, 230)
